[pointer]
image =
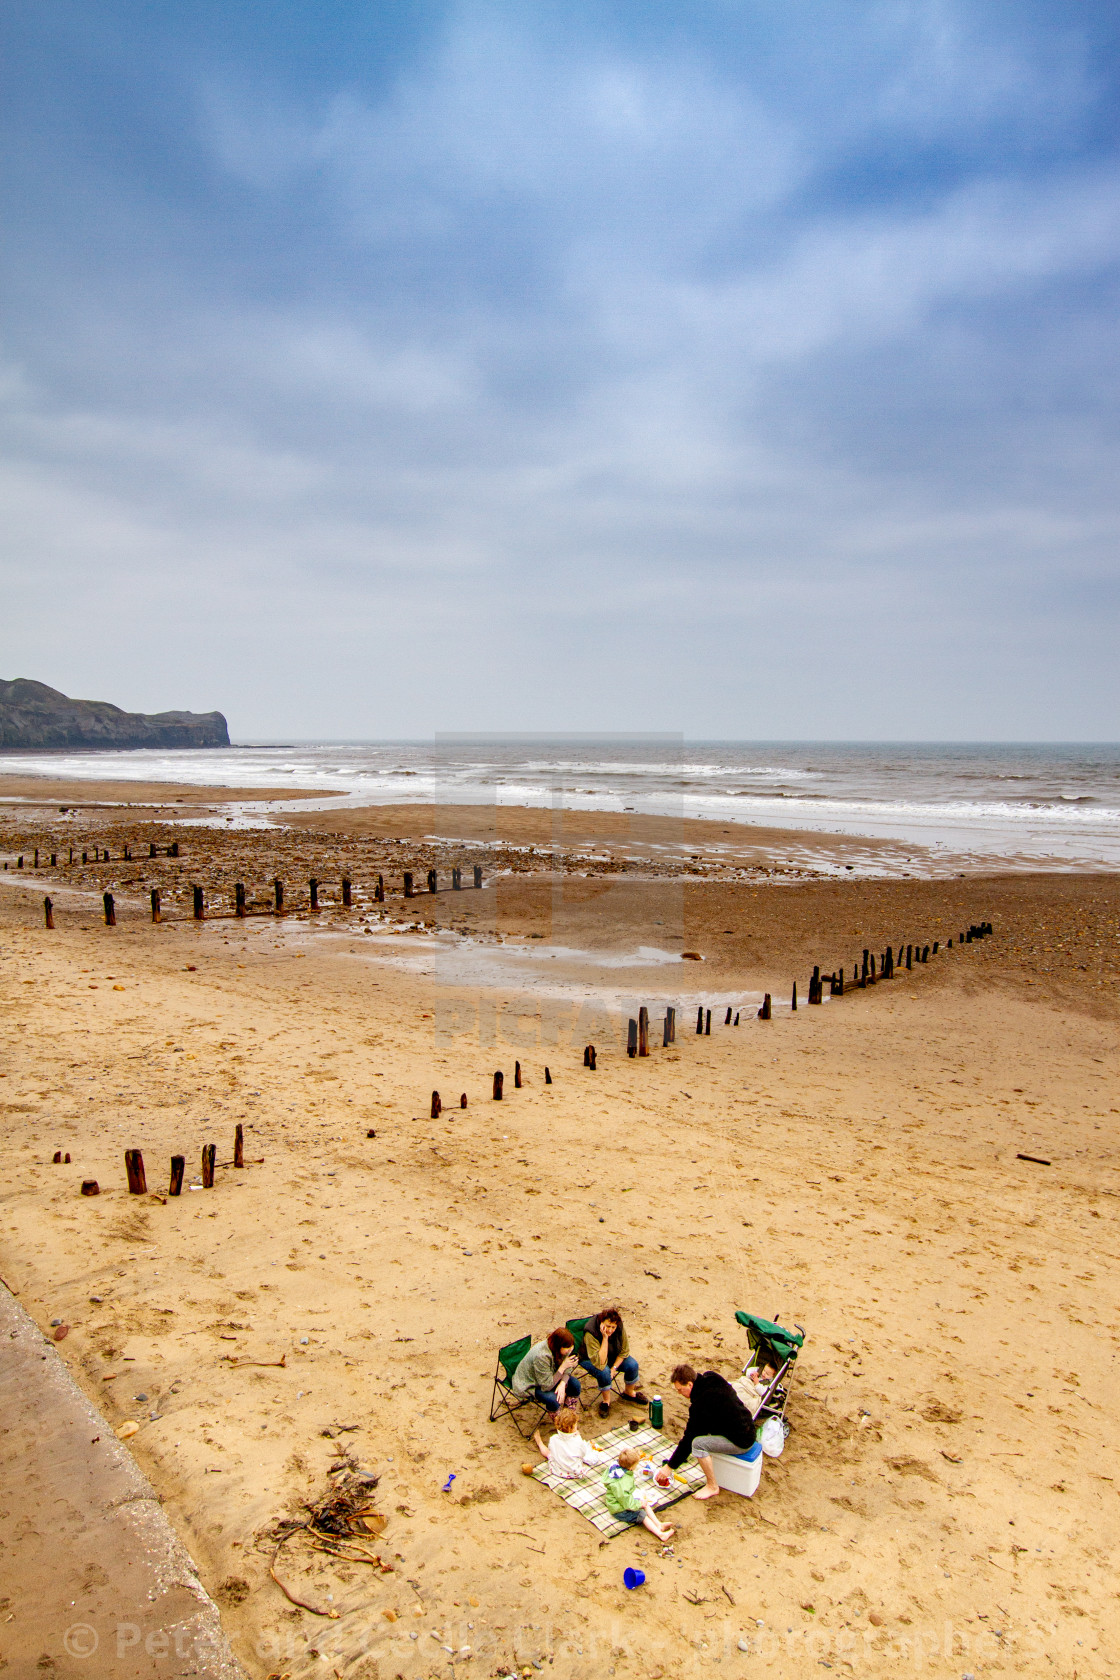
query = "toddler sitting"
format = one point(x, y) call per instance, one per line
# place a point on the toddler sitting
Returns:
point(568, 1454)
point(625, 1500)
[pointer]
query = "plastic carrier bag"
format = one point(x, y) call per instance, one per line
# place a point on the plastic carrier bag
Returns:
point(773, 1436)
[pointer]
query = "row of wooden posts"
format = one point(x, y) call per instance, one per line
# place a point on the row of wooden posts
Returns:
point(498, 1088)
point(101, 855)
point(864, 974)
point(637, 1033)
point(137, 1178)
point(241, 908)
point(637, 1044)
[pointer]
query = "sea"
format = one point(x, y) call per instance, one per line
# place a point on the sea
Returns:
point(1050, 805)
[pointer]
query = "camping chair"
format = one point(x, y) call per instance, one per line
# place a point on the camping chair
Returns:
point(785, 1346)
point(588, 1396)
point(504, 1399)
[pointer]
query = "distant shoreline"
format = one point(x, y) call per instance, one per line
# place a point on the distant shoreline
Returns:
point(927, 810)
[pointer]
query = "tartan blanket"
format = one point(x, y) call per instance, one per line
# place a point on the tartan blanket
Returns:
point(586, 1494)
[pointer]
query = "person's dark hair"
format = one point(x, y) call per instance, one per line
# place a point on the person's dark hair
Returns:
point(558, 1344)
point(683, 1374)
point(595, 1323)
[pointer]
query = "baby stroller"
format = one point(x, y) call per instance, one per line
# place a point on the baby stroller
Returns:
point(771, 1343)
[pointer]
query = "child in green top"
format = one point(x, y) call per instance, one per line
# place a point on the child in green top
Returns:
point(625, 1500)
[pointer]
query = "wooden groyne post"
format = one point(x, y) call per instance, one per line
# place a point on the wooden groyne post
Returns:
point(134, 1167)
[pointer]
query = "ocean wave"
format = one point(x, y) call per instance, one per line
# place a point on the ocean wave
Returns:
point(1040, 799)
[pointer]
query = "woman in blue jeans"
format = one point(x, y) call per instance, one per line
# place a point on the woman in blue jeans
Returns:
point(545, 1373)
point(606, 1350)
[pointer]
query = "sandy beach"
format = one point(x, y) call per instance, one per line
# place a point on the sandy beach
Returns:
point(946, 1500)
point(558, 762)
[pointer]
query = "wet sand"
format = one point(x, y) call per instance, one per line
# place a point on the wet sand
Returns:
point(77, 794)
point(90, 1532)
point(948, 1488)
point(686, 846)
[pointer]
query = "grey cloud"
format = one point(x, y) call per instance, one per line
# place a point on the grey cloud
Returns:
point(580, 394)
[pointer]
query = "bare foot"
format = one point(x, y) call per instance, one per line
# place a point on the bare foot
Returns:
point(706, 1493)
point(666, 1534)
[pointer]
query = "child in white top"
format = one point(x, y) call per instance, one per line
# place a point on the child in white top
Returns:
point(568, 1454)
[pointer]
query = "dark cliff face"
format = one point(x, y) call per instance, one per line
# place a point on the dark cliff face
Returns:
point(33, 715)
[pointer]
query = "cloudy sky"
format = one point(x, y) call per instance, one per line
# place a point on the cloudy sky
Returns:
point(745, 367)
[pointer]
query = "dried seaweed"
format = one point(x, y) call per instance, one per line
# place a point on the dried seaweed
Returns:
point(337, 1524)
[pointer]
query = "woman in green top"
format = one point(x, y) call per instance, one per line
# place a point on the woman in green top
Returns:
point(545, 1373)
point(606, 1349)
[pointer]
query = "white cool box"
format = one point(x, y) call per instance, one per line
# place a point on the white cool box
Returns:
point(740, 1474)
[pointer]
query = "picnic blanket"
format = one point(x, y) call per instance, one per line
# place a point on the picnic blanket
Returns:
point(586, 1494)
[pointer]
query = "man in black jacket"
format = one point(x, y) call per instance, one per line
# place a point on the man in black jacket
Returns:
point(718, 1422)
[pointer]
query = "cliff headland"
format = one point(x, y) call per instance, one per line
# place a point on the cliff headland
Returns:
point(35, 716)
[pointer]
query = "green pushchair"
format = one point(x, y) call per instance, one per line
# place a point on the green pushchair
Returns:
point(771, 1343)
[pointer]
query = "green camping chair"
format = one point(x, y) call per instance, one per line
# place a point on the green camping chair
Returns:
point(589, 1396)
point(504, 1399)
point(767, 1336)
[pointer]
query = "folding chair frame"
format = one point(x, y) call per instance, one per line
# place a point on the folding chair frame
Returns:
point(765, 1409)
point(504, 1400)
